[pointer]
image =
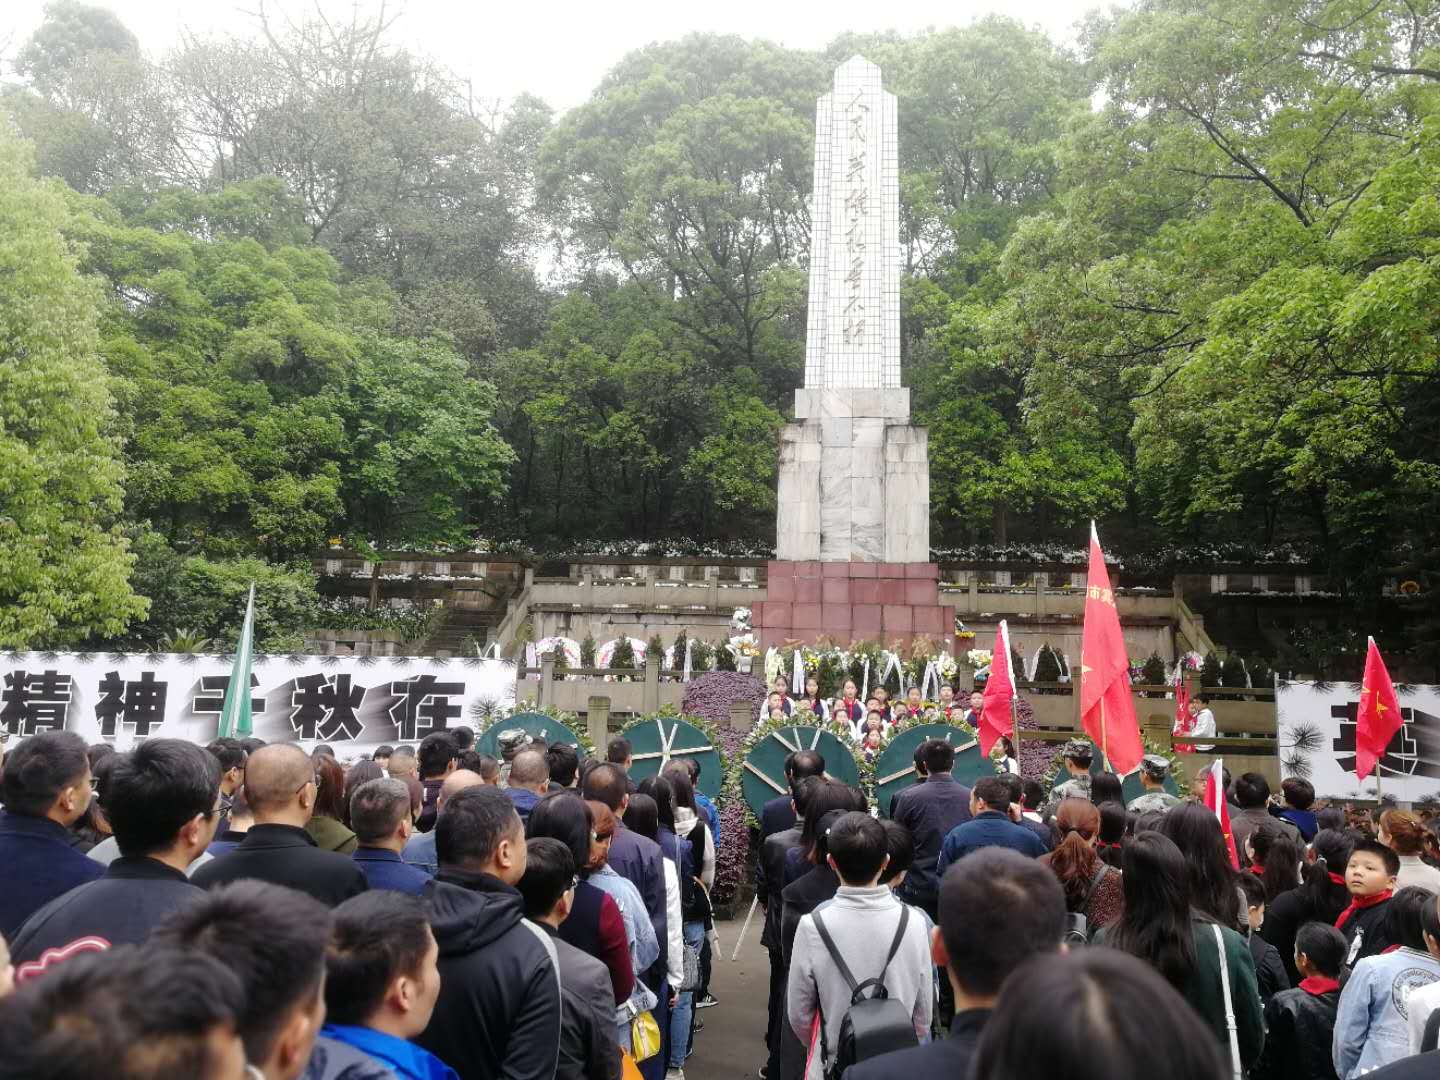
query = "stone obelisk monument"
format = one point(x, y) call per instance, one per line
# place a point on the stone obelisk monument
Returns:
point(854, 485)
point(854, 473)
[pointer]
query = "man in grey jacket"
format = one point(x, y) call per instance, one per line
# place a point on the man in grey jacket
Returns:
point(588, 1046)
point(862, 921)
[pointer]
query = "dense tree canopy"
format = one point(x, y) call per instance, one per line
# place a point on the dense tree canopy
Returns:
point(1181, 277)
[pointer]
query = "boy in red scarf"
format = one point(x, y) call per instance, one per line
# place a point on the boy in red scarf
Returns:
point(1300, 1023)
point(1370, 877)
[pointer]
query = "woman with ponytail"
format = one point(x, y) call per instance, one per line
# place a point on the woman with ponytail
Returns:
point(1092, 888)
point(1113, 819)
point(1321, 897)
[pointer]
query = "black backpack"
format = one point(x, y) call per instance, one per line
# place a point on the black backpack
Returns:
point(872, 1025)
point(1077, 930)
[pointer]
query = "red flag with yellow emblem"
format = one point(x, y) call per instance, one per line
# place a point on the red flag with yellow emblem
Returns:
point(1378, 718)
point(1106, 710)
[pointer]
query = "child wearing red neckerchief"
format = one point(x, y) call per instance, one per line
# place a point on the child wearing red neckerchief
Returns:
point(1370, 878)
point(1300, 1023)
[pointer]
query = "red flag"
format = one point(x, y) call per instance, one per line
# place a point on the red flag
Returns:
point(1183, 720)
point(1215, 803)
point(1106, 710)
point(1378, 718)
point(995, 719)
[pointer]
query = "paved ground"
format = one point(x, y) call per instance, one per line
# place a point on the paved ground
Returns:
point(732, 1045)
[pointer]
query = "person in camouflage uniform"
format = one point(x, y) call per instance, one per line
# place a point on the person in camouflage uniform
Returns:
point(1078, 755)
point(1153, 770)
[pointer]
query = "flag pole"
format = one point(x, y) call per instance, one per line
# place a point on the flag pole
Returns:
point(1104, 739)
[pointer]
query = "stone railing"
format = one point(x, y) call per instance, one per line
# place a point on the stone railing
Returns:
point(360, 643)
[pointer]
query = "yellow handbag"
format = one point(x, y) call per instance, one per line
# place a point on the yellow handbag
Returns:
point(644, 1036)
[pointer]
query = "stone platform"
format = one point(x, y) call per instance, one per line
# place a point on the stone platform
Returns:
point(851, 601)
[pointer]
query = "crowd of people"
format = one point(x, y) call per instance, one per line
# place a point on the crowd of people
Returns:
point(260, 911)
point(1015, 934)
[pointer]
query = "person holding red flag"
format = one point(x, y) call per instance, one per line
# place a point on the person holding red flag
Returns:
point(1378, 718)
point(996, 718)
point(1106, 710)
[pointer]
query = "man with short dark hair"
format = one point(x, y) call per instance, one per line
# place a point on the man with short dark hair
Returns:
point(930, 810)
point(281, 789)
point(997, 910)
point(769, 883)
point(274, 940)
point(634, 857)
point(564, 765)
point(779, 813)
point(162, 799)
point(419, 850)
point(45, 787)
point(618, 751)
point(437, 758)
point(529, 781)
point(1299, 796)
point(1252, 793)
point(381, 984)
point(863, 925)
point(498, 1014)
point(160, 1014)
point(990, 826)
point(231, 757)
point(380, 818)
point(587, 1005)
point(1042, 832)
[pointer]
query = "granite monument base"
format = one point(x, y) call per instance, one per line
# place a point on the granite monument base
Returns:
point(854, 481)
point(851, 601)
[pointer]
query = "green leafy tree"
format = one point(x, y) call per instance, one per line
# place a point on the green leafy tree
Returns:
point(66, 563)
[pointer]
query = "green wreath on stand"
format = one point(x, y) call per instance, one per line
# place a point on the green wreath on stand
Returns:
point(761, 732)
point(677, 736)
point(535, 720)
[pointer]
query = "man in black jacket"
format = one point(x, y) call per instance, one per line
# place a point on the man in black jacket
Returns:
point(1300, 1023)
point(162, 800)
point(930, 810)
point(499, 1009)
point(280, 788)
point(779, 813)
point(437, 757)
point(997, 910)
point(588, 1050)
point(769, 884)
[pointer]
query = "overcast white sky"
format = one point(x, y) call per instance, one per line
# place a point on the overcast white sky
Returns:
point(559, 49)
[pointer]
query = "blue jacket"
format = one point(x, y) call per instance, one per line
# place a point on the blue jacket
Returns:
point(1304, 820)
point(1371, 1022)
point(930, 811)
point(990, 828)
point(39, 864)
point(711, 815)
point(386, 870)
point(420, 851)
point(777, 815)
point(403, 1059)
point(524, 800)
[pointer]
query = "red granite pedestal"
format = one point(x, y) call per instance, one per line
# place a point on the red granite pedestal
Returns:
point(850, 601)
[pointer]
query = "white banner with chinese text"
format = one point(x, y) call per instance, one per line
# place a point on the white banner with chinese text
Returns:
point(353, 703)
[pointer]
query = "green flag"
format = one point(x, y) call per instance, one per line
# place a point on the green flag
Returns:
point(235, 712)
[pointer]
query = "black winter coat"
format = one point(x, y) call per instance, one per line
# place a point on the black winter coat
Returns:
point(286, 855)
point(133, 897)
point(1300, 1026)
point(499, 1009)
point(1269, 969)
